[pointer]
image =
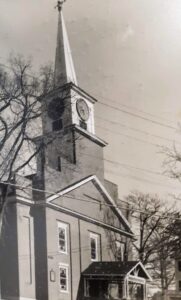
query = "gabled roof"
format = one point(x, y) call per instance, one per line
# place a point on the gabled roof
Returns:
point(103, 192)
point(115, 269)
point(110, 268)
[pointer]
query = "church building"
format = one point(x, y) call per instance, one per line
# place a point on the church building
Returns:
point(64, 235)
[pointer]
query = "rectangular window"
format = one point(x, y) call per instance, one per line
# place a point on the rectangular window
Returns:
point(179, 285)
point(94, 246)
point(63, 278)
point(179, 265)
point(62, 237)
point(59, 166)
point(57, 125)
point(83, 124)
point(120, 250)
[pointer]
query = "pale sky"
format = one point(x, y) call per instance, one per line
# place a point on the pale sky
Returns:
point(127, 53)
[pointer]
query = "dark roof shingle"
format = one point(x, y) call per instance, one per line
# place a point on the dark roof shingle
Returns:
point(110, 268)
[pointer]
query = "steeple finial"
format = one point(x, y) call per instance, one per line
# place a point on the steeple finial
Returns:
point(64, 68)
point(59, 5)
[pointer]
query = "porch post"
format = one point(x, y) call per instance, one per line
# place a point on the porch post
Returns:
point(125, 288)
point(145, 291)
point(86, 287)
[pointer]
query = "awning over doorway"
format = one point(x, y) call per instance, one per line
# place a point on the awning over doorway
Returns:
point(115, 280)
point(115, 270)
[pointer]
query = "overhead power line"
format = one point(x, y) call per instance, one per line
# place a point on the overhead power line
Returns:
point(133, 108)
point(130, 137)
point(128, 166)
point(133, 114)
point(143, 180)
point(136, 168)
point(96, 201)
point(138, 116)
point(153, 172)
point(73, 250)
point(138, 130)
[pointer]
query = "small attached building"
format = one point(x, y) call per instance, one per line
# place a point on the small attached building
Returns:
point(115, 280)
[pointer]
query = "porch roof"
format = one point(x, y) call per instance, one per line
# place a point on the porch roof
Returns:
point(116, 269)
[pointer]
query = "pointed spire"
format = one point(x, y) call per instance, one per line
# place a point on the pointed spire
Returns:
point(64, 68)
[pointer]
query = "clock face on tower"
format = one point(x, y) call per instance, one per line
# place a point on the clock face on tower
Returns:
point(56, 108)
point(82, 109)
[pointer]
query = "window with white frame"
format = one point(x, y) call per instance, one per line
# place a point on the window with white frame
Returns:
point(62, 237)
point(94, 238)
point(179, 265)
point(179, 285)
point(63, 271)
point(120, 250)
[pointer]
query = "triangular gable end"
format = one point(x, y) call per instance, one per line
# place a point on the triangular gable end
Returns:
point(104, 194)
point(140, 271)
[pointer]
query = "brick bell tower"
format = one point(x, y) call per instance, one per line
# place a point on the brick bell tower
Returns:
point(72, 150)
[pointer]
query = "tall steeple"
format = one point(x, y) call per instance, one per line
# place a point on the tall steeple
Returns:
point(64, 68)
point(68, 123)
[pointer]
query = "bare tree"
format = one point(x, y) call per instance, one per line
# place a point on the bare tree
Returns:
point(150, 220)
point(172, 162)
point(173, 230)
point(20, 110)
point(21, 91)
